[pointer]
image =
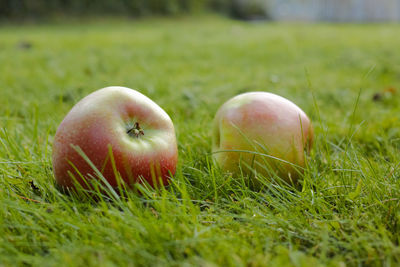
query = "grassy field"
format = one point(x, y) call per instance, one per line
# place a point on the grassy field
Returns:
point(345, 77)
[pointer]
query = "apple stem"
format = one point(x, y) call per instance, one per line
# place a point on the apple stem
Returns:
point(135, 131)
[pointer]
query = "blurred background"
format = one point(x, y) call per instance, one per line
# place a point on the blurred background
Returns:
point(286, 10)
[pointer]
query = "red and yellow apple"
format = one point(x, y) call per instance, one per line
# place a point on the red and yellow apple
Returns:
point(263, 133)
point(139, 133)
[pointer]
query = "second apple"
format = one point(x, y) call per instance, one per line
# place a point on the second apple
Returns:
point(263, 133)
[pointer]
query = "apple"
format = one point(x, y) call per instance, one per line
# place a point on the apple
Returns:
point(139, 133)
point(263, 133)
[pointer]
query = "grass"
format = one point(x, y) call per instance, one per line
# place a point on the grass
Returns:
point(345, 213)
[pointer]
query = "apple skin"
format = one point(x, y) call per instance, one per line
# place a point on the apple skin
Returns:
point(265, 123)
point(103, 119)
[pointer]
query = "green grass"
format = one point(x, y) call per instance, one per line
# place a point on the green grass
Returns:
point(345, 213)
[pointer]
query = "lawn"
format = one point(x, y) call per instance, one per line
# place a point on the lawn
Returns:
point(345, 212)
